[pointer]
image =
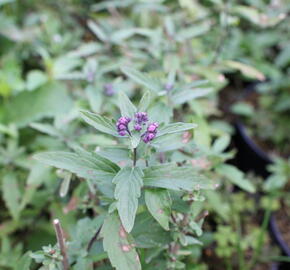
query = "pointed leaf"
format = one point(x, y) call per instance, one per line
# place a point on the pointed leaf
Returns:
point(90, 166)
point(99, 122)
point(235, 176)
point(128, 189)
point(126, 106)
point(159, 205)
point(119, 245)
point(176, 178)
point(143, 79)
point(11, 194)
point(144, 102)
point(174, 128)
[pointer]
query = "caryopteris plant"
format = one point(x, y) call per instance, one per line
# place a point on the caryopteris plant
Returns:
point(144, 200)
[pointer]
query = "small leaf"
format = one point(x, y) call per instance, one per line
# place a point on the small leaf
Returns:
point(128, 189)
point(174, 128)
point(11, 194)
point(100, 123)
point(65, 184)
point(236, 177)
point(142, 78)
point(221, 143)
point(144, 102)
point(159, 205)
point(126, 106)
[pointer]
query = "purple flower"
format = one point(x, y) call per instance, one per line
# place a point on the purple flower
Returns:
point(140, 119)
point(122, 125)
point(137, 127)
point(168, 86)
point(151, 132)
point(109, 90)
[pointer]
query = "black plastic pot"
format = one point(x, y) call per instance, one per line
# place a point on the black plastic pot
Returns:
point(250, 157)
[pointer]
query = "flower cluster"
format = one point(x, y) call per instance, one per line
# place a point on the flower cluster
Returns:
point(122, 126)
point(151, 132)
point(140, 119)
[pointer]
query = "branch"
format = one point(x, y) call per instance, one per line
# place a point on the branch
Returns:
point(61, 243)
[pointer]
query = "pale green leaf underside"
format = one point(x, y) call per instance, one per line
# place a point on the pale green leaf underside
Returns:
point(128, 189)
point(99, 122)
point(175, 128)
point(119, 245)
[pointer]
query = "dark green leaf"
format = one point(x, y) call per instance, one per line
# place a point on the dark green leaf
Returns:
point(128, 189)
point(119, 245)
point(176, 178)
point(159, 205)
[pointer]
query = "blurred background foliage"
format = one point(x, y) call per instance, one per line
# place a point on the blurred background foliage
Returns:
point(57, 57)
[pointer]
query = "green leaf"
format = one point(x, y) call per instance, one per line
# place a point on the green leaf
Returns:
point(221, 143)
point(98, 31)
point(144, 102)
point(243, 108)
point(23, 262)
point(85, 164)
point(159, 205)
point(65, 184)
point(126, 106)
point(48, 101)
point(174, 128)
point(235, 176)
point(189, 94)
point(11, 194)
point(100, 123)
point(128, 189)
point(142, 78)
point(246, 70)
point(176, 178)
point(94, 97)
point(46, 128)
point(119, 245)
point(35, 79)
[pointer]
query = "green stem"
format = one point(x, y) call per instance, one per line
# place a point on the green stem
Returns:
point(261, 236)
point(134, 157)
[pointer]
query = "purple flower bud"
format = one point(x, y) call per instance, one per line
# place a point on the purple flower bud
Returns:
point(122, 133)
point(151, 132)
point(137, 127)
point(168, 86)
point(141, 117)
point(109, 90)
point(124, 120)
point(122, 125)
